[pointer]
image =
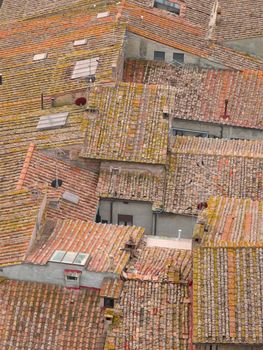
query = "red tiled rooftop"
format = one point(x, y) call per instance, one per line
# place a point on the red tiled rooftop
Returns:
point(105, 244)
point(40, 169)
point(41, 316)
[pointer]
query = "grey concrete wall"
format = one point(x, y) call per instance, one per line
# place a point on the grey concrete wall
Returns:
point(252, 46)
point(139, 47)
point(169, 224)
point(141, 212)
point(53, 273)
point(216, 130)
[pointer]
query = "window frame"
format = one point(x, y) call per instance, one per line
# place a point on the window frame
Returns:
point(155, 53)
point(169, 6)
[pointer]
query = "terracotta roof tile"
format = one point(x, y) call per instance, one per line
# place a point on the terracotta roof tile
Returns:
point(111, 288)
point(42, 170)
point(153, 263)
point(139, 185)
point(226, 303)
point(18, 212)
point(200, 94)
point(232, 220)
point(151, 315)
point(199, 168)
point(105, 244)
point(129, 125)
point(41, 316)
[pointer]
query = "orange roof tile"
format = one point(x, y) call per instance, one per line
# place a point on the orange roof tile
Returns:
point(105, 244)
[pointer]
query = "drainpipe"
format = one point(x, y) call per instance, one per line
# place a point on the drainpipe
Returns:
point(191, 346)
point(155, 223)
point(111, 211)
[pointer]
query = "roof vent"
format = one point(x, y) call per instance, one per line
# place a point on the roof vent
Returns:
point(81, 101)
point(56, 183)
point(70, 197)
point(165, 112)
point(80, 42)
point(130, 244)
point(40, 56)
point(52, 121)
point(103, 15)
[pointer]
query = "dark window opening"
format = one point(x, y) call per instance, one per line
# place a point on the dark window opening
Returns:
point(185, 132)
point(178, 57)
point(159, 55)
point(1, 3)
point(72, 278)
point(168, 6)
point(109, 303)
point(56, 183)
point(104, 221)
point(125, 220)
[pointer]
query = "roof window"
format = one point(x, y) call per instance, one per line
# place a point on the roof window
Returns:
point(40, 56)
point(168, 6)
point(178, 57)
point(103, 15)
point(85, 68)
point(80, 42)
point(52, 121)
point(159, 55)
point(74, 258)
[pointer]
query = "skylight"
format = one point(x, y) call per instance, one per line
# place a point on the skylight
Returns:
point(74, 258)
point(80, 42)
point(103, 14)
point(52, 121)
point(168, 6)
point(85, 68)
point(70, 197)
point(40, 56)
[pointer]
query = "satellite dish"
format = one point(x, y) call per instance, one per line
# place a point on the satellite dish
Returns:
point(56, 183)
point(81, 101)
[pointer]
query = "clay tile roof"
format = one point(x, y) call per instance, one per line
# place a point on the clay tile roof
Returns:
point(151, 315)
point(174, 31)
point(200, 94)
point(111, 288)
point(130, 184)
point(153, 264)
point(17, 132)
point(199, 168)
point(40, 170)
point(18, 212)
point(226, 298)
point(232, 220)
point(104, 243)
point(53, 317)
point(129, 125)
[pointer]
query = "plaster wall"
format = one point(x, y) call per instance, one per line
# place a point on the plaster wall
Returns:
point(142, 48)
point(169, 224)
point(219, 131)
point(53, 273)
point(251, 46)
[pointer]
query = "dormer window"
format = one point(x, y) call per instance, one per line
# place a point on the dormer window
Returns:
point(168, 6)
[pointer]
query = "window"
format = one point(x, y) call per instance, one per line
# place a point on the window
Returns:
point(159, 55)
point(108, 303)
point(72, 278)
point(125, 220)
point(40, 56)
point(168, 6)
point(52, 121)
point(178, 57)
point(185, 132)
point(85, 68)
point(69, 257)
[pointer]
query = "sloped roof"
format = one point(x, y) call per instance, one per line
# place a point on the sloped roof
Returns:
point(226, 295)
point(199, 168)
point(154, 316)
point(174, 32)
point(132, 185)
point(232, 220)
point(152, 264)
point(105, 244)
point(53, 317)
point(40, 170)
point(200, 94)
point(18, 213)
point(17, 132)
point(129, 125)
